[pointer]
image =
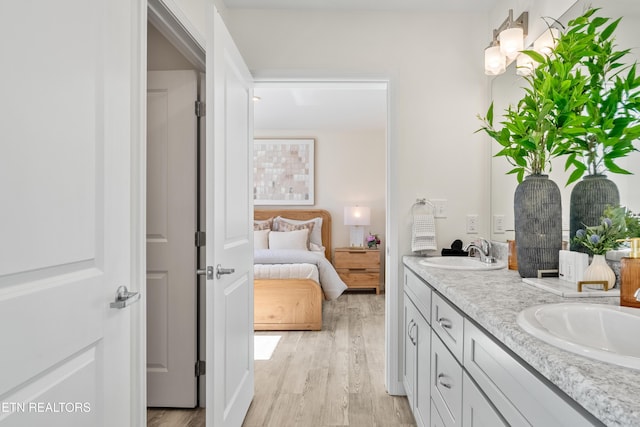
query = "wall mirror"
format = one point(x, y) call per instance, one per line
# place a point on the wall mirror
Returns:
point(507, 89)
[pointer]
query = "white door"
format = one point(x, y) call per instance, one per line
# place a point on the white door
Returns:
point(229, 229)
point(171, 227)
point(68, 98)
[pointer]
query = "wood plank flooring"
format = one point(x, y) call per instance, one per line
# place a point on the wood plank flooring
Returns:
point(333, 377)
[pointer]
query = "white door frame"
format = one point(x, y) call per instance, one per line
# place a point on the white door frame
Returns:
point(393, 288)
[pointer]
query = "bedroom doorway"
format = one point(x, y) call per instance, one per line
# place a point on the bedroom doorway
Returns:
point(347, 120)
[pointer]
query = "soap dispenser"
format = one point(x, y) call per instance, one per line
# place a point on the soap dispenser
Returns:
point(630, 275)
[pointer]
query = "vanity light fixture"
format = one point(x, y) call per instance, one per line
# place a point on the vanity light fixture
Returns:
point(507, 42)
point(357, 217)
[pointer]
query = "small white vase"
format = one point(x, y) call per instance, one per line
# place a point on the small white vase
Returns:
point(600, 270)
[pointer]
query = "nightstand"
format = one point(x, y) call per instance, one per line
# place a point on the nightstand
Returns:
point(359, 268)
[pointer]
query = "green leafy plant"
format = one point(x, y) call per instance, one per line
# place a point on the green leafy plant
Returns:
point(580, 101)
point(531, 130)
point(617, 223)
point(598, 126)
point(600, 239)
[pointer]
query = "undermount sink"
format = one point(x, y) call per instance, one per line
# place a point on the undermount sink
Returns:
point(604, 332)
point(460, 263)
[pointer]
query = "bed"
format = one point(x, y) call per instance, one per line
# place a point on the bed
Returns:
point(293, 303)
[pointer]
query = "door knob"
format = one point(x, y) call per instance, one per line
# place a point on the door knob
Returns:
point(220, 271)
point(124, 298)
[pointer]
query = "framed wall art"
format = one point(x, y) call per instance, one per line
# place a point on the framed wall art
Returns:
point(283, 172)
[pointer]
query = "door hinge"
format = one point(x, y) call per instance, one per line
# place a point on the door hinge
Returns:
point(201, 368)
point(201, 239)
point(201, 109)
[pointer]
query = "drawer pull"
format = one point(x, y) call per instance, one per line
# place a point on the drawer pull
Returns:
point(443, 383)
point(411, 337)
point(445, 323)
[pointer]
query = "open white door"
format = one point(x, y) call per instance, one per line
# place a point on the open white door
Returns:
point(66, 111)
point(229, 160)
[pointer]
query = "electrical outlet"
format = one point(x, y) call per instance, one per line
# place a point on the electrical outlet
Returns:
point(439, 207)
point(472, 224)
point(498, 224)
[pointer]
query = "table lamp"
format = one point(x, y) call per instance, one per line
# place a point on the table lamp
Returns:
point(357, 217)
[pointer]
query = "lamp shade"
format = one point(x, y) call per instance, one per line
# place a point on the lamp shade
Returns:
point(546, 42)
point(494, 61)
point(511, 41)
point(357, 215)
point(524, 65)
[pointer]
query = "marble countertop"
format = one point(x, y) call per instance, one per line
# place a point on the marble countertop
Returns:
point(494, 298)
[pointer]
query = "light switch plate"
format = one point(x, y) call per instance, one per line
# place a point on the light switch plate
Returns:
point(472, 224)
point(439, 208)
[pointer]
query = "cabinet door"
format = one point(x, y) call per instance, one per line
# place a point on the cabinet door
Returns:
point(422, 398)
point(476, 409)
point(409, 340)
point(446, 383)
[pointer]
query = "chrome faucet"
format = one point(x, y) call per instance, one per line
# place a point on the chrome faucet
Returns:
point(637, 295)
point(483, 247)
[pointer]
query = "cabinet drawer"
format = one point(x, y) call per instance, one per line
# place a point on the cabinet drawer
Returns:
point(516, 392)
point(419, 292)
point(359, 278)
point(448, 324)
point(356, 258)
point(446, 383)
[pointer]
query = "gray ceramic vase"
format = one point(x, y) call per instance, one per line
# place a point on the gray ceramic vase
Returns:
point(538, 222)
point(589, 198)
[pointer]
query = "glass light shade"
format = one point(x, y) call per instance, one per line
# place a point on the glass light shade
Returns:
point(546, 42)
point(494, 61)
point(357, 215)
point(511, 41)
point(524, 65)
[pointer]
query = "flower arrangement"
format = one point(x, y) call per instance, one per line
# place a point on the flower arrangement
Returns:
point(373, 241)
point(616, 223)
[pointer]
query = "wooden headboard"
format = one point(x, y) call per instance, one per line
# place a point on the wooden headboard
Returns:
point(302, 214)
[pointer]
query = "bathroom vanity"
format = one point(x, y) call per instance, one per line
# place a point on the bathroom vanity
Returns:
point(467, 362)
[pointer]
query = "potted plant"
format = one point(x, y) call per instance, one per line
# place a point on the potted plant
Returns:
point(601, 124)
point(529, 137)
point(616, 224)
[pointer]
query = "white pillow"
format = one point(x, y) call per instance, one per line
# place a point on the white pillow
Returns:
point(316, 233)
point(289, 240)
point(315, 248)
point(261, 239)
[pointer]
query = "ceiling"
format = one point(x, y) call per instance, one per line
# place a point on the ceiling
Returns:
point(422, 5)
point(321, 106)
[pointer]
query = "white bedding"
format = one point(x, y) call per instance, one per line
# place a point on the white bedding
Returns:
point(332, 284)
point(286, 271)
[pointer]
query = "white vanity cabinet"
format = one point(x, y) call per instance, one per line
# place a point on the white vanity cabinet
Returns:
point(459, 375)
point(417, 347)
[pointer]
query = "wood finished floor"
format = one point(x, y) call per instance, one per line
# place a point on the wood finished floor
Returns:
point(333, 377)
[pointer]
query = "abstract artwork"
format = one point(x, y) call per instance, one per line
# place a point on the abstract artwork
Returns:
point(283, 172)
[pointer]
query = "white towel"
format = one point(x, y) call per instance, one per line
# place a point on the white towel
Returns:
point(423, 233)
